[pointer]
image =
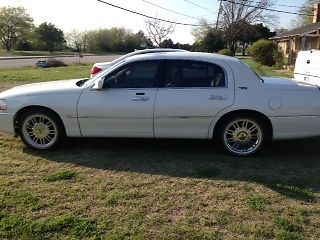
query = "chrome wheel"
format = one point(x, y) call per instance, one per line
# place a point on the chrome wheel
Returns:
point(243, 136)
point(39, 131)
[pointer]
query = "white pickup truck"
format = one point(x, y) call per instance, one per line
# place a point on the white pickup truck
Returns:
point(307, 67)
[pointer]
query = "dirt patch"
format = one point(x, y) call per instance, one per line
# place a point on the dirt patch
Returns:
point(6, 86)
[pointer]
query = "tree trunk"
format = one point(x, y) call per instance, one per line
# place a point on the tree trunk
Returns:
point(233, 48)
point(243, 49)
point(8, 47)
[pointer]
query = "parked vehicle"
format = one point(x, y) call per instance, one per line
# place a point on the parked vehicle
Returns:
point(165, 95)
point(307, 67)
point(98, 67)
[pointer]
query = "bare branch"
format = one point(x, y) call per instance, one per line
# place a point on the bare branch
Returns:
point(158, 30)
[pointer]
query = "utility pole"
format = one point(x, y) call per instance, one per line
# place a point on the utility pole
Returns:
point(219, 11)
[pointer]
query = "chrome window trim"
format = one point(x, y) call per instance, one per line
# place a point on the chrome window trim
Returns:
point(196, 61)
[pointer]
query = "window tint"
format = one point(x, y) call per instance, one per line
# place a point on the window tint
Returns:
point(134, 75)
point(194, 74)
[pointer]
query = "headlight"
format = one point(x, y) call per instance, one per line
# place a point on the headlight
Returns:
point(3, 104)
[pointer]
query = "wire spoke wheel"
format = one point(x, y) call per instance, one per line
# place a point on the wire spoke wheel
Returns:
point(242, 136)
point(39, 131)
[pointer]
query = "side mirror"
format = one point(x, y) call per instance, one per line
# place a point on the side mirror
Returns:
point(98, 85)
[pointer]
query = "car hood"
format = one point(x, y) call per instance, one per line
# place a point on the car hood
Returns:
point(54, 87)
point(288, 84)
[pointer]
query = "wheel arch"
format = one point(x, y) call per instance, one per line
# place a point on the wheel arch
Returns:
point(22, 111)
point(253, 113)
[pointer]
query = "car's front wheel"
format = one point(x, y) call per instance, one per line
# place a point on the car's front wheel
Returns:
point(242, 135)
point(40, 130)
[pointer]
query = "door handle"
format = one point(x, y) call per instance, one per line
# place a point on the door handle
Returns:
point(217, 97)
point(142, 98)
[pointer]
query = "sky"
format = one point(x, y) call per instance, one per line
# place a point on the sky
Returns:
point(91, 14)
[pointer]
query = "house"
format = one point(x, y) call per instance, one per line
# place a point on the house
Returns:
point(303, 38)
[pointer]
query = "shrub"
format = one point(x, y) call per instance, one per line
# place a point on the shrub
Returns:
point(264, 52)
point(279, 58)
point(53, 62)
point(226, 52)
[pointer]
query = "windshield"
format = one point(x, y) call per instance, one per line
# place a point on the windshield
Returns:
point(102, 73)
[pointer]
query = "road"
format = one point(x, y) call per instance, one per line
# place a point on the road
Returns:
point(16, 62)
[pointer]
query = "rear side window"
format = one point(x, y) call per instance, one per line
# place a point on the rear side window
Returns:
point(194, 74)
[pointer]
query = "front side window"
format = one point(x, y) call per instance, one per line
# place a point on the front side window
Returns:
point(133, 75)
point(194, 74)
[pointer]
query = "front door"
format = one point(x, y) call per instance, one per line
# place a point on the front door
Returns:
point(124, 108)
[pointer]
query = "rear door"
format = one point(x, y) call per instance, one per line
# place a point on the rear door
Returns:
point(191, 95)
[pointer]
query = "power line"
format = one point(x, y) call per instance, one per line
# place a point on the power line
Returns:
point(283, 5)
point(199, 6)
point(268, 9)
point(147, 16)
point(169, 10)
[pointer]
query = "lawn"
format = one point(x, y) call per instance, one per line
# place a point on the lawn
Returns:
point(155, 189)
point(18, 76)
point(4, 53)
point(268, 71)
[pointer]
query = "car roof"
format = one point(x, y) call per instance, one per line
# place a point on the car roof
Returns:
point(151, 50)
point(198, 56)
point(139, 52)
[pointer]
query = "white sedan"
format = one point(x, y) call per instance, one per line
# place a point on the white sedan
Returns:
point(98, 67)
point(165, 95)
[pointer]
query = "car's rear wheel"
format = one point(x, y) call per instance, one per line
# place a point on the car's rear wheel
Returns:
point(40, 130)
point(242, 135)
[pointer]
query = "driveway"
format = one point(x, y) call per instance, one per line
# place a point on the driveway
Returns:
point(15, 62)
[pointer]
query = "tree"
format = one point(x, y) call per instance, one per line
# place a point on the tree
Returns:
point(77, 41)
point(248, 33)
point(51, 36)
point(167, 43)
point(116, 40)
point(213, 41)
point(28, 41)
point(307, 10)
point(241, 10)
point(263, 32)
point(158, 30)
point(14, 23)
point(147, 42)
point(200, 32)
point(185, 46)
point(281, 31)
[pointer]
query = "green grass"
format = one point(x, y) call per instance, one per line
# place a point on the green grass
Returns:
point(268, 71)
point(4, 53)
point(17, 227)
point(142, 189)
point(60, 176)
point(18, 76)
point(147, 189)
point(33, 74)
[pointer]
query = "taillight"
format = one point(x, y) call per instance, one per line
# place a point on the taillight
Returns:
point(95, 70)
